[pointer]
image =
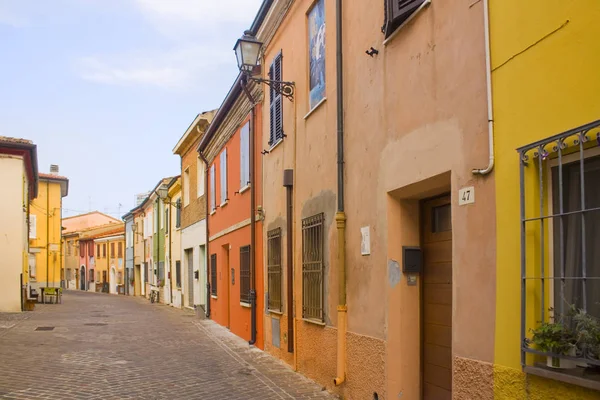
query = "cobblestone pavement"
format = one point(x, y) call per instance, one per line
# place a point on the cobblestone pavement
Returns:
point(116, 347)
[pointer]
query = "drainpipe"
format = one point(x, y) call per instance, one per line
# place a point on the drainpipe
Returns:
point(488, 79)
point(288, 182)
point(133, 259)
point(48, 234)
point(171, 233)
point(340, 216)
point(207, 253)
point(252, 231)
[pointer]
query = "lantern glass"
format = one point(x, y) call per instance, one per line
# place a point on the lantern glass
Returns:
point(247, 50)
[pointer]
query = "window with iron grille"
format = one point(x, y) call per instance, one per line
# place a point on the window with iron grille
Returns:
point(245, 274)
point(274, 275)
point(178, 273)
point(276, 102)
point(396, 12)
point(313, 268)
point(560, 232)
point(213, 274)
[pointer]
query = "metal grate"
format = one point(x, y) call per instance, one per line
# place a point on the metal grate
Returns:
point(312, 268)
point(245, 274)
point(213, 274)
point(274, 276)
point(44, 328)
point(560, 215)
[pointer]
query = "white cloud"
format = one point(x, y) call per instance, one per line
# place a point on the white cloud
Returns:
point(201, 34)
point(177, 69)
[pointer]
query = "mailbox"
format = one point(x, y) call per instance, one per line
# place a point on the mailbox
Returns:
point(412, 260)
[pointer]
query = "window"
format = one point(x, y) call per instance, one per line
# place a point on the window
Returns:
point(98, 250)
point(77, 249)
point(167, 221)
point(112, 250)
point(32, 266)
point(223, 182)
point(213, 189)
point(155, 220)
point(103, 251)
point(91, 276)
point(274, 274)
point(313, 268)
point(161, 270)
point(560, 226)
point(186, 187)
point(245, 155)
point(397, 12)
point(32, 226)
point(200, 173)
point(120, 250)
point(245, 274)
point(178, 219)
point(276, 102)
point(178, 273)
point(213, 274)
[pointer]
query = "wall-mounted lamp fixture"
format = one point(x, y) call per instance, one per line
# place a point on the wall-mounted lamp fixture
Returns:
point(247, 51)
point(163, 193)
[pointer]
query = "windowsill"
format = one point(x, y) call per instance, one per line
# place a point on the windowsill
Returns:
point(277, 143)
point(572, 376)
point(398, 29)
point(277, 313)
point(245, 305)
point(213, 212)
point(315, 107)
point(314, 321)
point(242, 190)
point(223, 204)
point(212, 296)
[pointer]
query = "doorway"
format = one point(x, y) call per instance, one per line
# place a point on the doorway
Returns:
point(82, 278)
point(137, 279)
point(113, 281)
point(189, 259)
point(436, 299)
point(227, 283)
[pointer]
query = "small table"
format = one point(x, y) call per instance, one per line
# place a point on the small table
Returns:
point(51, 291)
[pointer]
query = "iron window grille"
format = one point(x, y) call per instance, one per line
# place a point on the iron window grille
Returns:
point(274, 275)
point(313, 268)
point(276, 102)
point(396, 12)
point(213, 274)
point(245, 274)
point(560, 229)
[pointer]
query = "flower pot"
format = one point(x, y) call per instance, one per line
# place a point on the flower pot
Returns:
point(561, 363)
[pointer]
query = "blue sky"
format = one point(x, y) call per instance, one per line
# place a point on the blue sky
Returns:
point(105, 88)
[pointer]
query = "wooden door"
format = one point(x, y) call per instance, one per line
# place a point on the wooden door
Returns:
point(437, 299)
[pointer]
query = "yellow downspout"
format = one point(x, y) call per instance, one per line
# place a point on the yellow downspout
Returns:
point(342, 309)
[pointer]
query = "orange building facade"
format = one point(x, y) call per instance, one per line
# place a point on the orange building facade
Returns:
point(234, 229)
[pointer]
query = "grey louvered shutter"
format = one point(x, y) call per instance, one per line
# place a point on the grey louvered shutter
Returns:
point(276, 102)
point(398, 11)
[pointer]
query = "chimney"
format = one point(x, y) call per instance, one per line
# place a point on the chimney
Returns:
point(53, 169)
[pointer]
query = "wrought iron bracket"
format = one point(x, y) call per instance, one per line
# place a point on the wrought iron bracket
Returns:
point(283, 88)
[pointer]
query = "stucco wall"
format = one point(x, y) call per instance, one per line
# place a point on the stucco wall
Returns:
point(13, 232)
point(193, 237)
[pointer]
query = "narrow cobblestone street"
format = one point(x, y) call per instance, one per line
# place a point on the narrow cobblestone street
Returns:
point(97, 346)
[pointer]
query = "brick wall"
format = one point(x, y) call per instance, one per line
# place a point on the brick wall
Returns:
point(196, 209)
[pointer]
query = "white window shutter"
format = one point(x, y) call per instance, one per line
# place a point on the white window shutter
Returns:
point(32, 226)
point(224, 175)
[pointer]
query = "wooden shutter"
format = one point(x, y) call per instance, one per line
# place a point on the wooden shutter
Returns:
point(398, 11)
point(245, 155)
point(276, 102)
point(223, 175)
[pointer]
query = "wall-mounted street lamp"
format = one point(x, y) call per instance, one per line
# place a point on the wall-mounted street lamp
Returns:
point(247, 51)
point(163, 194)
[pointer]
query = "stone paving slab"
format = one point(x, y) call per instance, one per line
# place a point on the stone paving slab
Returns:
point(99, 346)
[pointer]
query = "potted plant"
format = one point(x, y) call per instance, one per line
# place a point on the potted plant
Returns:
point(587, 333)
point(555, 338)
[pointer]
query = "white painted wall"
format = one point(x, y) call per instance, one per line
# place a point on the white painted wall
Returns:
point(193, 237)
point(13, 232)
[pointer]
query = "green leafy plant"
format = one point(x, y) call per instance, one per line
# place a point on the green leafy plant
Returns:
point(553, 337)
point(587, 333)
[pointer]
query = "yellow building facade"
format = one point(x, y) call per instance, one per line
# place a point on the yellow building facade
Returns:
point(544, 63)
point(45, 247)
point(109, 262)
